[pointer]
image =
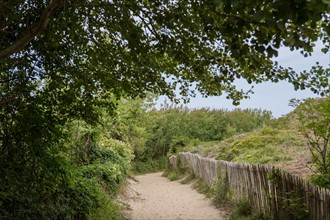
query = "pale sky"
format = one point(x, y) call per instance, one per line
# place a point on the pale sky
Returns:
point(269, 96)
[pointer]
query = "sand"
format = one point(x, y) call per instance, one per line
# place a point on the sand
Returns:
point(152, 196)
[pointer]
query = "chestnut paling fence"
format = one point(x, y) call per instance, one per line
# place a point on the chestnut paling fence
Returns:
point(275, 193)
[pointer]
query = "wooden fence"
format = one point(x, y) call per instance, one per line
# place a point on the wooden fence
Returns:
point(273, 192)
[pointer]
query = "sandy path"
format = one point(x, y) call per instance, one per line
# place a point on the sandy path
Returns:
point(155, 197)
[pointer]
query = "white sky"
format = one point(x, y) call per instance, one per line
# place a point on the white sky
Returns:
point(269, 96)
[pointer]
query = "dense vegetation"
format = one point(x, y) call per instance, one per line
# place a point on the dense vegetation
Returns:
point(300, 134)
point(154, 133)
point(93, 159)
point(80, 175)
point(64, 180)
point(297, 142)
point(174, 127)
point(313, 116)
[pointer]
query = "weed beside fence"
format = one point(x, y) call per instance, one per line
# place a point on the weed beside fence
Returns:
point(275, 193)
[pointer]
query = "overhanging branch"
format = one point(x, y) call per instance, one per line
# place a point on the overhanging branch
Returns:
point(31, 33)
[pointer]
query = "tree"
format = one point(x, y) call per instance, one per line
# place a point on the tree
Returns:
point(314, 118)
point(90, 48)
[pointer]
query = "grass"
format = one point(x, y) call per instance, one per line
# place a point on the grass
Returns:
point(203, 188)
point(221, 197)
point(244, 211)
point(149, 165)
point(279, 144)
point(220, 190)
point(265, 155)
point(108, 210)
point(173, 175)
point(188, 179)
point(267, 145)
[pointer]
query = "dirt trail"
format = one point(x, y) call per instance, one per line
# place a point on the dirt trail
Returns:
point(155, 197)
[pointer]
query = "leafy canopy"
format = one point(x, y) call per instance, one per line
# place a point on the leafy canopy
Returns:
point(81, 51)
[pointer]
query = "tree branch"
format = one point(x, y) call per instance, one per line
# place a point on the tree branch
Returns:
point(31, 33)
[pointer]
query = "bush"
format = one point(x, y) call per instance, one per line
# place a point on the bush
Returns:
point(244, 211)
point(107, 210)
point(264, 146)
point(173, 175)
point(322, 180)
point(221, 193)
point(59, 195)
point(83, 198)
point(148, 165)
point(108, 175)
point(175, 127)
point(314, 118)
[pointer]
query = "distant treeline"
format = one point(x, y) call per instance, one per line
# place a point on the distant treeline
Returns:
point(173, 127)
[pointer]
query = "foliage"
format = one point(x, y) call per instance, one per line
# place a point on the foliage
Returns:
point(246, 120)
point(244, 208)
point(91, 144)
point(221, 193)
point(131, 47)
point(266, 145)
point(108, 174)
point(106, 164)
point(62, 61)
point(173, 175)
point(172, 128)
point(203, 188)
point(101, 159)
point(297, 208)
point(314, 118)
point(148, 165)
point(188, 178)
point(58, 179)
point(107, 210)
point(244, 211)
point(128, 123)
point(35, 179)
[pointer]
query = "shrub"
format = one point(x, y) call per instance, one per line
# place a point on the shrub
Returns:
point(314, 118)
point(173, 175)
point(148, 165)
point(221, 192)
point(244, 211)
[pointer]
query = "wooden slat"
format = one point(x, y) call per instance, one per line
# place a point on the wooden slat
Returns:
point(271, 197)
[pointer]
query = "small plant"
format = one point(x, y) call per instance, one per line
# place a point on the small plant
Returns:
point(221, 191)
point(202, 187)
point(244, 211)
point(148, 165)
point(188, 179)
point(107, 210)
point(297, 208)
point(244, 207)
point(173, 175)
